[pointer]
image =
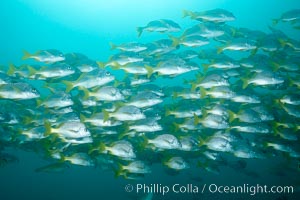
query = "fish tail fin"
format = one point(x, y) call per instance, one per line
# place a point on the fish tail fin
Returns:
point(254, 51)
point(185, 81)
point(203, 92)
point(26, 120)
point(118, 83)
point(176, 127)
point(175, 95)
point(201, 141)
point(290, 81)
point(100, 64)
point(119, 171)
point(100, 148)
point(275, 21)
point(149, 71)
point(204, 113)
point(284, 43)
point(267, 144)
point(139, 31)
point(82, 118)
point(69, 85)
point(220, 50)
point(276, 125)
point(186, 13)
point(194, 86)
point(232, 116)
point(199, 76)
point(175, 40)
point(275, 130)
point(196, 119)
point(11, 69)
point(112, 46)
point(47, 128)
point(168, 112)
point(124, 131)
point(86, 93)
point(144, 142)
point(205, 67)
point(39, 103)
point(275, 66)
point(26, 55)
point(31, 70)
point(49, 87)
point(277, 103)
point(91, 150)
point(203, 165)
point(245, 83)
point(233, 31)
point(105, 115)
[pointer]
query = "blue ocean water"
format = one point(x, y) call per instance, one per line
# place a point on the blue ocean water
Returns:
point(88, 27)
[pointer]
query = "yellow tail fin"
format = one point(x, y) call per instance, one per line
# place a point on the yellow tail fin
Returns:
point(105, 115)
point(86, 93)
point(176, 41)
point(69, 85)
point(205, 67)
point(232, 116)
point(11, 69)
point(100, 64)
point(31, 70)
point(168, 112)
point(197, 120)
point(203, 92)
point(220, 50)
point(245, 83)
point(176, 127)
point(149, 70)
point(112, 46)
point(186, 13)
point(26, 55)
point(82, 118)
point(48, 128)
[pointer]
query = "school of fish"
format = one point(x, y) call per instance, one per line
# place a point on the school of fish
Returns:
point(189, 99)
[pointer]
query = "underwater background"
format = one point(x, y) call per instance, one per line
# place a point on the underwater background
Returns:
point(88, 27)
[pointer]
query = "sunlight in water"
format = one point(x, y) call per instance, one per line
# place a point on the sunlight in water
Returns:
point(95, 13)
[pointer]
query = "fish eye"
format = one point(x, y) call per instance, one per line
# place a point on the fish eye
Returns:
point(69, 68)
point(107, 73)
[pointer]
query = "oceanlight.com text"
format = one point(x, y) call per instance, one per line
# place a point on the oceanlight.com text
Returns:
point(208, 188)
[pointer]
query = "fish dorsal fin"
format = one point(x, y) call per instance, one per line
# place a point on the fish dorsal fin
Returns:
point(47, 53)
